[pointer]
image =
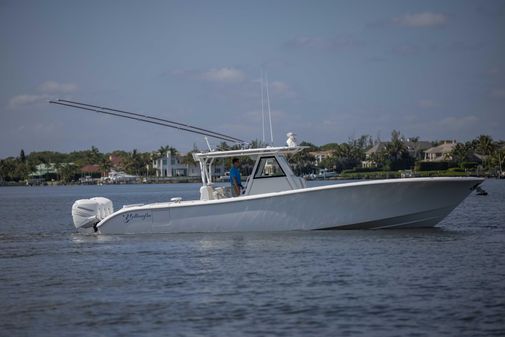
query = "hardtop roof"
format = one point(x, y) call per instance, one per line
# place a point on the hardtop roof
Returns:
point(248, 152)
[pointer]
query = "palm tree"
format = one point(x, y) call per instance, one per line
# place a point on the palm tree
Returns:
point(163, 150)
point(58, 167)
point(22, 156)
point(188, 159)
point(255, 144)
point(303, 162)
point(173, 151)
point(105, 166)
point(499, 159)
point(223, 146)
point(94, 155)
point(68, 172)
point(485, 145)
point(460, 153)
point(132, 162)
point(395, 149)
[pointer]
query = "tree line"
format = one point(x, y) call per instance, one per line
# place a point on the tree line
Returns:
point(68, 165)
point(395, 155)
point(349, 155)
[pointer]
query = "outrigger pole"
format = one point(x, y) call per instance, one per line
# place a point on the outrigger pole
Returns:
point(146, 119)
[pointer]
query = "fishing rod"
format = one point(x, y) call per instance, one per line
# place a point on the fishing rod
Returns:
point(146, 119)
point(149, 117)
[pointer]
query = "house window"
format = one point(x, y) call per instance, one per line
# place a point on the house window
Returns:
point(269, 168)
point(179, 172)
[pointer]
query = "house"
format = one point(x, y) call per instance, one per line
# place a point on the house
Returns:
point(91, 169)
point(321, 155)
point(44, 169)
point(415, 148)
point(376, 149)
point(175, 166)
point(370, 154)
point(440, 152)
point(116, 161)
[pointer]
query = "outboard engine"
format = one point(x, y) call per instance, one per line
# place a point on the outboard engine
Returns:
point(88, 212)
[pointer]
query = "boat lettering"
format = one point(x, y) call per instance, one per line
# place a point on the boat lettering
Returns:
point(137, 217)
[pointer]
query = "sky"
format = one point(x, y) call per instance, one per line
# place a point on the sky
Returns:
point(336, 69)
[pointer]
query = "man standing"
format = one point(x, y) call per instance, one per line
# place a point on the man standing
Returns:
point(236, 184)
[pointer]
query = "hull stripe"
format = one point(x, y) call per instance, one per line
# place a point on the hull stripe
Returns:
point(421, 219)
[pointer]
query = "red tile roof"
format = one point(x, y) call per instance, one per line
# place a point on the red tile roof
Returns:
point(90, 169)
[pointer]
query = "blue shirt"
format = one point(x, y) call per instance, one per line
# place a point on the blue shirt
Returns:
point(235, 173)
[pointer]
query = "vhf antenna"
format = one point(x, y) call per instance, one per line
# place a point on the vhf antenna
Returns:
point(269, 112)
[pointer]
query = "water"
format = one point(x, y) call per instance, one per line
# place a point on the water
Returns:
point(446, 281)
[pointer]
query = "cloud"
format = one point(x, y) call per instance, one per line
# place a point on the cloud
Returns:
point(498, 93)
point(425, 19)
point(45, 89)
point(224, 75)
point(338, 43)
point(24, 100)
point(52, 87)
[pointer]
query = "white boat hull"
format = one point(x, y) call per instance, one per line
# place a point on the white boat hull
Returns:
point(401, 203)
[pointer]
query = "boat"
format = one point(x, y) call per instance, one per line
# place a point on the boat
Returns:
point(115, 177)
point(326, 174)
point(225, 177)
point(273, 198)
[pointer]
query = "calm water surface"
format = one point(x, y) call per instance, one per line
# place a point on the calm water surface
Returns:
point(446, 281)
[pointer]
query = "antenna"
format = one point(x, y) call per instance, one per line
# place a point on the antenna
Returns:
point(262, 107)
point(208, 144)
point(269, 112)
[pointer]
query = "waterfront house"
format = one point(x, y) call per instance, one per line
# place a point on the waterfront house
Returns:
point(116, 161)
point(42, 170)
point(177, 166)
point(415, 148)
point(441, 152)
point(321, 155)
point(371, 154)
point(91, 170)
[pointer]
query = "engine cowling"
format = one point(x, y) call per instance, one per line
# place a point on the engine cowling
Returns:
point(88, 212)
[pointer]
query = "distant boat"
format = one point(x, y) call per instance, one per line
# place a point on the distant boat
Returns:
point(120, 177)
point(225, 177)
point(325, 174)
